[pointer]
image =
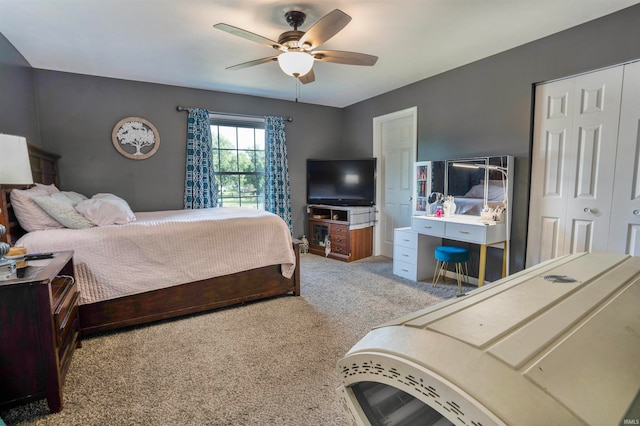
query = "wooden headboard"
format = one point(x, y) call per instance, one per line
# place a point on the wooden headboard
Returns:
point(44, 169)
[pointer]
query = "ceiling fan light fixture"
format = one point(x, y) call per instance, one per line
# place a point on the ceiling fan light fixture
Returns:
point(295, 63)
point(298, 47)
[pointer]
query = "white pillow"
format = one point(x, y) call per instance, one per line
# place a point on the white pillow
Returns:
point(106, 209)
point(476, 191)
point(494, 192)
point(497, 182)
point(30, 216)
point(61, 209)
point(106, 196)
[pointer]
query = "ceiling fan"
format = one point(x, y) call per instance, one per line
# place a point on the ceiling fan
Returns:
point(298, 48)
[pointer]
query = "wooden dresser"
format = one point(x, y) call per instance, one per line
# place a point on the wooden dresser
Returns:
point(39, 331)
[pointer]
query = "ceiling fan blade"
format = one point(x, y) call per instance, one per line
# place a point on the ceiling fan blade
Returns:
point(309, 77)
point(252, 63)
point(248, 35)
point(342, 57)
point(328, 26)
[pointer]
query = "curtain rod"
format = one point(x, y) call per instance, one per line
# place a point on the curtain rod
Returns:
point(181, 108)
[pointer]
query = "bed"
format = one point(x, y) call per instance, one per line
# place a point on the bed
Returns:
point(180, 279)
point(472, 202)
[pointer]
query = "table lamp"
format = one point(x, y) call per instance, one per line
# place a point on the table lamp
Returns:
point(15, 169)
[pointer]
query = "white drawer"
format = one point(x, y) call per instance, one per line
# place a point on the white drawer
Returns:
point(405, 254)
point(428, 226)
point(464, 232)
point(405, 237)
point(405, 270)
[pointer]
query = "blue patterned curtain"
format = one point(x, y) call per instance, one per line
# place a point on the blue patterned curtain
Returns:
point(277, 192)
point(199, 184)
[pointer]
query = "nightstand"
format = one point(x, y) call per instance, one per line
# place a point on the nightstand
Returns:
point(39, 331)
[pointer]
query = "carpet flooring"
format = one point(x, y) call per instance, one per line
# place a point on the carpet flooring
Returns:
point(265, 363)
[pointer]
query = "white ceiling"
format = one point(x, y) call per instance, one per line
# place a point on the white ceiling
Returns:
point(173, 41)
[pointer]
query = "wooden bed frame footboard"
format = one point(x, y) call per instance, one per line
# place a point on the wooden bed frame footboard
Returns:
point(165, 303)
point(194, 297)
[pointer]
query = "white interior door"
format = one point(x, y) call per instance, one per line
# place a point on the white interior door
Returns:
point(395, 138)
point(624, 233)
point(573, 162)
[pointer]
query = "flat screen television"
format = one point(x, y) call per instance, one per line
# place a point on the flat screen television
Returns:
point(342, 182)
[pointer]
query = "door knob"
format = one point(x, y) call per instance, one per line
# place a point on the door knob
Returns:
point(588, 210)
point(636, 212)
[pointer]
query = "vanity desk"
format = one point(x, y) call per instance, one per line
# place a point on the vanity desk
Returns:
point(475, 185)
point(468, 229)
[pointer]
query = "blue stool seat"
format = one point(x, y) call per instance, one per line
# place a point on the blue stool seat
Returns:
point(460, 256)
point(452, 254)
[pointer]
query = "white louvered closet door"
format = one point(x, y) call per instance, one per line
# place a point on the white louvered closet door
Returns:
point(573, 161)
point(624, 235)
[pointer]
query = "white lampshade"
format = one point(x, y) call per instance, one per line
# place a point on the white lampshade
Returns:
point(14, 161)
point(296, 64)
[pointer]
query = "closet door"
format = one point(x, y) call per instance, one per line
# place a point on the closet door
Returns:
point(573, 159)
point(624, 235)
point(553, 127)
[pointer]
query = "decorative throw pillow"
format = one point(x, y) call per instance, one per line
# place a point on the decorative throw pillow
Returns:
point(106, 209)
point(62, 210)
point(30, 216)
point(49, 189)
point(68, 197)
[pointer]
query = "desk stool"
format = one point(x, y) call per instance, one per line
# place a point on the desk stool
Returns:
point(450, 254)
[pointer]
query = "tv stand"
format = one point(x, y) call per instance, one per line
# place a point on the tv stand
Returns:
point(341, 233)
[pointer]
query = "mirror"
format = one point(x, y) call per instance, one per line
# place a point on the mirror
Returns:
point(474, 182)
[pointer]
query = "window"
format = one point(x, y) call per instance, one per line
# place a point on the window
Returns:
point(238, 161)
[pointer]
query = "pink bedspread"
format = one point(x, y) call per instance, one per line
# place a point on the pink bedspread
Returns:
point(162, 249)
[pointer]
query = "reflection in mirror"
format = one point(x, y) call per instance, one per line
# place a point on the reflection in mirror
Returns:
point(478, 185)
point(465, 181)
point(467, 184)
point(438, 178)
point(438, 174)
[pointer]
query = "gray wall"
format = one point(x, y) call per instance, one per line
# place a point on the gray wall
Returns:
point(485, 108)
point(77, 114)
point(18, 114)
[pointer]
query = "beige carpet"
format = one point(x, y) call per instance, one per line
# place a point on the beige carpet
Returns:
point(264, 363)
